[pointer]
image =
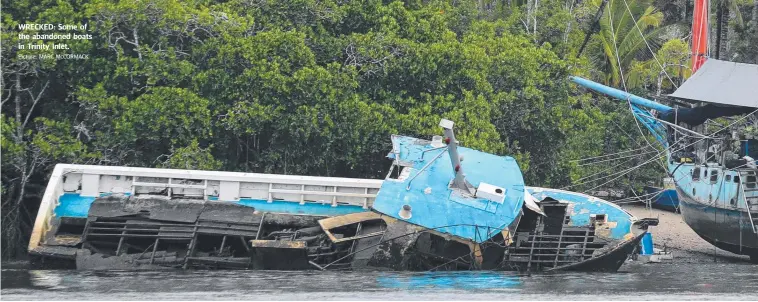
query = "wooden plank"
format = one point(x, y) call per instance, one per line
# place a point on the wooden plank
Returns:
point(120, 241)
point(155, 247)
point(531, 251)
point(558, 252)
point(191, 251)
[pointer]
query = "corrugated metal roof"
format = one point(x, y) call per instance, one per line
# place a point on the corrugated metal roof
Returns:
point(722, 82)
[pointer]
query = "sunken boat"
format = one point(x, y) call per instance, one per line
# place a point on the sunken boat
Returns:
point(427, 214)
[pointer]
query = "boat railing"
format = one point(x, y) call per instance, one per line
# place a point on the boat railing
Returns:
point(747, 206)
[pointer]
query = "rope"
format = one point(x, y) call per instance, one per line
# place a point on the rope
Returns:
point(658, 157)
point(616, 53)
point(680, 128)
point(598, 173)
point(621, 70)
point(648, 44)
point(606, 155)
point(637, 198)
point(657, 192)
point(616, 158)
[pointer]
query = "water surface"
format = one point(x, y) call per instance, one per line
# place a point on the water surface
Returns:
point(722, 281)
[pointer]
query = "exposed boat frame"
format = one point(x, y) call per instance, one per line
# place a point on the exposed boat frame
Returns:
point(429, 217)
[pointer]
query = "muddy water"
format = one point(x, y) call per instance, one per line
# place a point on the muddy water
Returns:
point(730, 281)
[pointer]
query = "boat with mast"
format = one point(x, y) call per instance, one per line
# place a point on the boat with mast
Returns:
point(709, 143)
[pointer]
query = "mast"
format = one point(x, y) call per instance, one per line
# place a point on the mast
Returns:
point(699, 34)
point(452, 148)
point(621, 95)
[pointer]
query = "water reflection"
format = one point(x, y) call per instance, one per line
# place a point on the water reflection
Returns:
point(46, 279)
point(648, 282)
point(451, 280)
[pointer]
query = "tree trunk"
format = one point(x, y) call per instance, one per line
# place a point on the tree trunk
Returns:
point(19, 131)
point(536, 5)
point(11, 229)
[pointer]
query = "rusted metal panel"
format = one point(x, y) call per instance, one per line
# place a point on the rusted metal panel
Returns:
point(278, 244)
point(344, 220)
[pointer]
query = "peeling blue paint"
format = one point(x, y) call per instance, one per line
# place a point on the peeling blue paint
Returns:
point(73, 205)
point(585, 205)
point(720, 192)
point(77, 206)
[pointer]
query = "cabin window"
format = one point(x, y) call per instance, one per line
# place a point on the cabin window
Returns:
point(736, 179)
point(714, 176)
point(728, 177)
point(696, 174)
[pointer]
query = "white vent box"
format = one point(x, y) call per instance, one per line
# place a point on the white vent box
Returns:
point(446, 124)
point(491, 192)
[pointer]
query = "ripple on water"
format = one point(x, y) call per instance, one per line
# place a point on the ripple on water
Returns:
point(647, 282)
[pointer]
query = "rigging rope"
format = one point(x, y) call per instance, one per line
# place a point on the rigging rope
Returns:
point(658, 157)
point(607, 155)
point(682, 129)
point(615, 158)
point(598, 173)
point(637, 198)
point(615, 46)
point(648, 44)
point(621, 71)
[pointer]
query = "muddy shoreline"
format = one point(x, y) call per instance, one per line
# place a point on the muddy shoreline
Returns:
point(673, 234)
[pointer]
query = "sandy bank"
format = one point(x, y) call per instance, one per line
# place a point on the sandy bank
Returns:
point(673, 234)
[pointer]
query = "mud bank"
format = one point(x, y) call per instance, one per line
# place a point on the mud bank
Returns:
point(673, 234)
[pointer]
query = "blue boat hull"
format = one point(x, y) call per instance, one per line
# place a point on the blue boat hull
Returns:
point(666, 199)
point(726, 229)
